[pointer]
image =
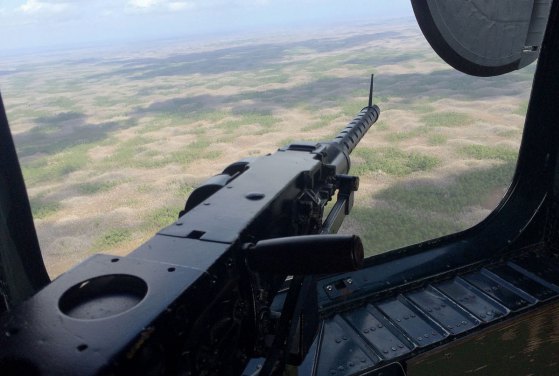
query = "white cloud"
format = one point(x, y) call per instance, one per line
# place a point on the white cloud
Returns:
point(144, 3)
point(253, 2)
point(180, 5)
point(36, 6)
point(143, 6)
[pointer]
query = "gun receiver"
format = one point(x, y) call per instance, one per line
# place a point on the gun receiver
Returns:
point(196, 298)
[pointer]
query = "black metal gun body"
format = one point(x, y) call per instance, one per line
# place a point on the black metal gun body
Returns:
point(195, 298)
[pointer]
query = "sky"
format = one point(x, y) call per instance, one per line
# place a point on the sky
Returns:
point(43, 24)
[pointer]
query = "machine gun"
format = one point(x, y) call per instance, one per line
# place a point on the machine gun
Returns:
point(200, 297)
point(211, 291)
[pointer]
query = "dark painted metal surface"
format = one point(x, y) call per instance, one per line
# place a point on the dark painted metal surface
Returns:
point(22, 272)
point(513, 299)
point(505, 38)
point(525, 345)
point(432, 316)
point(506, 274)
point(71, 343)
point(342, 351)
point(385, 340)
point(414, 323)
point(444, 311)
point(543, 269)
point(471, 299)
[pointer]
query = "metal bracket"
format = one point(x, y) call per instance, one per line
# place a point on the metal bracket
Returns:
point(340, 288)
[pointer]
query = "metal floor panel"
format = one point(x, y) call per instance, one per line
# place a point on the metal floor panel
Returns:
point(381, 331)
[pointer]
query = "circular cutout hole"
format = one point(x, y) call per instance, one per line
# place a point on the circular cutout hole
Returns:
point(103, 297)
point(82, 347)
point(171, 269)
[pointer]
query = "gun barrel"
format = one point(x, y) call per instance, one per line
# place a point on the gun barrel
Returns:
point(350, 136)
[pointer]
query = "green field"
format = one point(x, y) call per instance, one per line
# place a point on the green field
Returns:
point(113, 141)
